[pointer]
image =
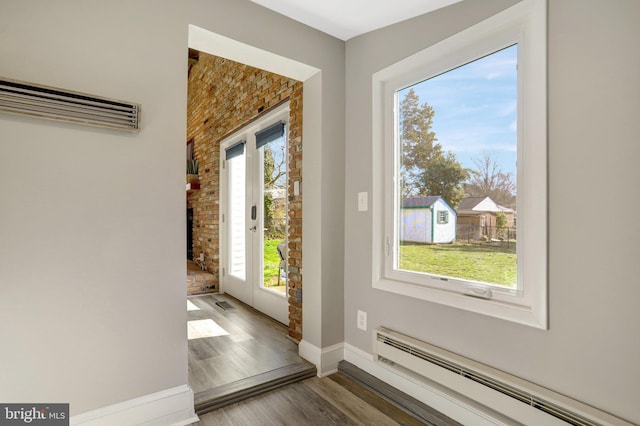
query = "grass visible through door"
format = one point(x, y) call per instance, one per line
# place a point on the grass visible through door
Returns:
point(272, 263)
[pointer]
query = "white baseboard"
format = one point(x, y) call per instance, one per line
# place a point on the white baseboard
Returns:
point(310, 352)
point(452, 405)
point(171, 407)
point(326, 359)
point(331, 356)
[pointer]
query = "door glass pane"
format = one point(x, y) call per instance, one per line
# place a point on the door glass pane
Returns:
point(237, 225)
point(274, 183)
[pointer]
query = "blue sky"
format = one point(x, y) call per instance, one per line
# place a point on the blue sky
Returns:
point(279, 151)
point(475, 109)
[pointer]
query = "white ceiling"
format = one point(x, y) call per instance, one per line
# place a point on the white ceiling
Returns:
point(345, 19)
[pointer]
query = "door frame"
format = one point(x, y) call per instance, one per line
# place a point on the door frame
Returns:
point(264, 300)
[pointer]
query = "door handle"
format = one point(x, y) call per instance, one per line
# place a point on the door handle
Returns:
point(254, 213)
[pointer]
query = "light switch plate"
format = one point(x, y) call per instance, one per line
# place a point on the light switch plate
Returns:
point(363, 201)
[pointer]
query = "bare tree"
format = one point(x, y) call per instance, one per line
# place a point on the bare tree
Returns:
point(274, 170)
point(488, 179)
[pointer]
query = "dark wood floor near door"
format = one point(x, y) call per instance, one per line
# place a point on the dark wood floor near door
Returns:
point(243, 343)
point(332, 400)
point(244, 370)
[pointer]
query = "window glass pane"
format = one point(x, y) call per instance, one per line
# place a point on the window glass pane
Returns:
point(237, 226)
point(456, 191)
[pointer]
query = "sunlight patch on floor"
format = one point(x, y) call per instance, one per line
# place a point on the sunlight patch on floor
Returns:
point(191, 306)
point(199, 329)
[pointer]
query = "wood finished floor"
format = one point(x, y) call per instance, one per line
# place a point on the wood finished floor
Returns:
point(244, 344)
point(332, 400)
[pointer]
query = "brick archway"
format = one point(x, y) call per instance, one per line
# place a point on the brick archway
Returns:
point(224, 96)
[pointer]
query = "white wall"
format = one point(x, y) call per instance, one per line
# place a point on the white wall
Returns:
point(92, 222)
point(591, 350)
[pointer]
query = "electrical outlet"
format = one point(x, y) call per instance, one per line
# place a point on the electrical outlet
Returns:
point(362, 320)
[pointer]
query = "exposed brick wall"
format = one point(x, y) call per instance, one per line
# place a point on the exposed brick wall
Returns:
point(294, 232)
point(223, 97)
point(199, 282)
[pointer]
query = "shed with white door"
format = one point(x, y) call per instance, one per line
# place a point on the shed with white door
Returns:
point(427, 220)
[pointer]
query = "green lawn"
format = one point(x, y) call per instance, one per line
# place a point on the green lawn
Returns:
point(494, 264)
point(271, 262)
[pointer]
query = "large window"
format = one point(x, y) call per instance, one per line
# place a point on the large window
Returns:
point(464, 122)
point(457, 139)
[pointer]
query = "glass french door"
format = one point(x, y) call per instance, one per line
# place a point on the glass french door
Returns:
point(253, 225)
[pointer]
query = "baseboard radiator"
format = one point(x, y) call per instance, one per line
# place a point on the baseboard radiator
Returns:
point(18, 97)
point(403, 353)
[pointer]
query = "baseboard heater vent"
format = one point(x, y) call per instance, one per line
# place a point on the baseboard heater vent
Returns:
point(23, 98)
point(392, 348)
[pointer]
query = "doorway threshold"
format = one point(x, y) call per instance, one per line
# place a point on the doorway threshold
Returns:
point(236, 352)
point(230, 393)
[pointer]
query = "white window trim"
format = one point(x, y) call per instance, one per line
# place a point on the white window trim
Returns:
point(525, 24)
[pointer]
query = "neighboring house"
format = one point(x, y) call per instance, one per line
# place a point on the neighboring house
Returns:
point(277, 193)
point(428, 220)
point(477, 217)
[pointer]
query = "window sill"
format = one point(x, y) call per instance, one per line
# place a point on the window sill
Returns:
point(500, 308)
